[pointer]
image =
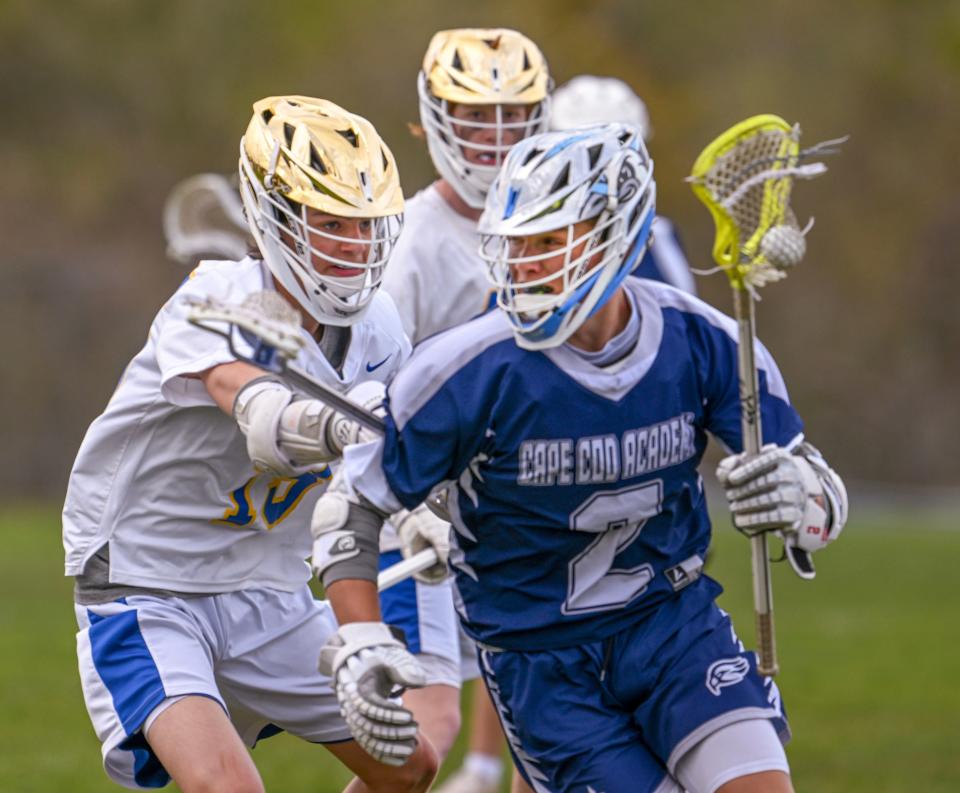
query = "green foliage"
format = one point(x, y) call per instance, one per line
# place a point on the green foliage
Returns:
point(109, 103)
point(868, 652)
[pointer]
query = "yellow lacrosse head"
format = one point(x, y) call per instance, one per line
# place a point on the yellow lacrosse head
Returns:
point(735, 176)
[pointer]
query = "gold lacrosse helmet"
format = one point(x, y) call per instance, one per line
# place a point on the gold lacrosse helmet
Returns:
point(493, 67)
point(301, 154)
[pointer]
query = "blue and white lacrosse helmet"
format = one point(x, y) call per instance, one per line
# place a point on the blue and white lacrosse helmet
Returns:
point(551, 182)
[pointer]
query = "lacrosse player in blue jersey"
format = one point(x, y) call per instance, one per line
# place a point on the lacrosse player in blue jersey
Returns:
point(569, 426)
point(481, 90)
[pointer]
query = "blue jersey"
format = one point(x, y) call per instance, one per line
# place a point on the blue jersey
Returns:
point(578, 500)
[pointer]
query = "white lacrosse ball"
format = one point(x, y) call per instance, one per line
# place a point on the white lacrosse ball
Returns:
point(783, 246)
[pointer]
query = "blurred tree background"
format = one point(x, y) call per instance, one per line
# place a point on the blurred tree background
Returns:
point(108, 103)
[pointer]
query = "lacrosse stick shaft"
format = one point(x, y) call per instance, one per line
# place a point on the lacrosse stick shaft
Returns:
point(314, 388)
point(408, 567)
point(272, 328)
point(743, 306)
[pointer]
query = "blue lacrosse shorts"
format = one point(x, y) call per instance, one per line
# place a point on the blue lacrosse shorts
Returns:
point(619, 713)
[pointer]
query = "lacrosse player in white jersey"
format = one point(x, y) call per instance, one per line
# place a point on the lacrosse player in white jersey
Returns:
point(570, 424)
point(480, 91)
point(591, 99)
point(186, 521)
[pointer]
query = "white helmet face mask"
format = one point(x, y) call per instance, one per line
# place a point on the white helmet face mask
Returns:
point(283, 233)
point(452, 141)
point(496, 69)
point(335, 164)
point(551, 183)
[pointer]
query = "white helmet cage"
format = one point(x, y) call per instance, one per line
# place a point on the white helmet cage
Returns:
point(304, 167)
point(551, 182)
point(497, 68)
point(590, 99)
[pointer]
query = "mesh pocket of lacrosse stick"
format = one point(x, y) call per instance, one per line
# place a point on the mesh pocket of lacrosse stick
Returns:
point(744, 177)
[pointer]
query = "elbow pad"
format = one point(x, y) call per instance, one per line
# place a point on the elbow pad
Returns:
point(346, 531)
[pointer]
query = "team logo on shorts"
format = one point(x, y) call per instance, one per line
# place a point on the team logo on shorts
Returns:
point(726, 672)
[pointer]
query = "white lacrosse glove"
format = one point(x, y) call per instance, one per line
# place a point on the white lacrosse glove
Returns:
point(796, 495)
point(341, 431)
point(291, 436)
point(418, 530)
point(370, 668)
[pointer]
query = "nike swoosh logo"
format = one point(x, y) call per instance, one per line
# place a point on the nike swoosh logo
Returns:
point(372, 366)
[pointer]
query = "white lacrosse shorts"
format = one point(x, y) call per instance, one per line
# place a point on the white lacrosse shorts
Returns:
point(255, 652)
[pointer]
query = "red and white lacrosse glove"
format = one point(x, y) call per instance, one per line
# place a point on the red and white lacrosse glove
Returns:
point(793, 493)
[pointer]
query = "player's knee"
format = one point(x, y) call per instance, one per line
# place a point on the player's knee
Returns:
point(415, 775)
point(443, 730)
point(762, 782)
point(436, 709)
point(224, 780)
point(222, 777)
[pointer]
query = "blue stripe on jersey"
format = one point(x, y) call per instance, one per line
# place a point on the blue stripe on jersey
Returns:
point(126, 666)
point(577, 487)
point(398, 604)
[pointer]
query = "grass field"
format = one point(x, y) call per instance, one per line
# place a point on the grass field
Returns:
point(870, 655)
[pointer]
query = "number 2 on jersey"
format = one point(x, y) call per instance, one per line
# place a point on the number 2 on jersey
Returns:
point(618, 516)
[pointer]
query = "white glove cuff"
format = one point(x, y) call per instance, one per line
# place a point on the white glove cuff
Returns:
point(360, 635)
point(833, 489)
point(813, 528)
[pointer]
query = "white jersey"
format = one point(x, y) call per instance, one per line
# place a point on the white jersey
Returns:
point(436, 275)
point(163, 475)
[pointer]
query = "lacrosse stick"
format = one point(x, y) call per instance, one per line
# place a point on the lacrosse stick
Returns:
point(203, 216)
point(271, 327)
point(744, 178)
point(403, 570)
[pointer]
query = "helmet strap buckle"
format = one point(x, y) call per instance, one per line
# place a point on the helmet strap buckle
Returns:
point(270, 179)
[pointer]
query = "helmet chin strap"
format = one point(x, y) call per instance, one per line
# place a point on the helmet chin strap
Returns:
point(612, 172)
point(270, 178)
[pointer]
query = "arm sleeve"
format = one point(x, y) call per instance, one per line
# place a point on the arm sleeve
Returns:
point(715, 355)
point(364, 523)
